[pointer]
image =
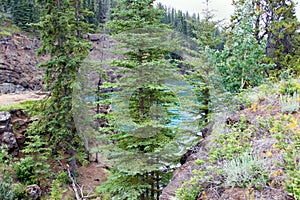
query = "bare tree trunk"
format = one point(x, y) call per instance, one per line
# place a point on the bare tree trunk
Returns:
point(100, 11)
point(77, 7)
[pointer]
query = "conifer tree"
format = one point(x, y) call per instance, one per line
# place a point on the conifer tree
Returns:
point(283, 45)
point(61, 35)
point(23, 12)
point(6, 5)
point(207, 30)
point(277, 21)
point(145, 142)
point(208, 37)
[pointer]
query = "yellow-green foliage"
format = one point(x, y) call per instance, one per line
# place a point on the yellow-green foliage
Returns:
point(56, 190)
point(30, 106)
point(6, 26)
point(285, 129)
point(237, 141)
point(289, 87)
point(191, 188)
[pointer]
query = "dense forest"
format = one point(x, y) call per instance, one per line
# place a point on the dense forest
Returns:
point(160, 82)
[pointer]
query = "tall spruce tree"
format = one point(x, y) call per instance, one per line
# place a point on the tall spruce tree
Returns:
point(283, 45)
point(207, 30)
point(61, 35)
point(144, 143)
point(208, 37)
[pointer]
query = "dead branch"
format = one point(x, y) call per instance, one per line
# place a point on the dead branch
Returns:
point(73, 184)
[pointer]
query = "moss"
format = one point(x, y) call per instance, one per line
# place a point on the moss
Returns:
point(26, 106)
point(7, 28)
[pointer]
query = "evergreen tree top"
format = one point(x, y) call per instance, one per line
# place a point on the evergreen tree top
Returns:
point(133, 14)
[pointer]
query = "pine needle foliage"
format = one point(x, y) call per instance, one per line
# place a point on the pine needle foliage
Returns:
point(145, 142)
point(33, 168)
point(61, 35)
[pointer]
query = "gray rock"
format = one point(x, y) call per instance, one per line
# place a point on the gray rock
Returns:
point(18, 71)
point(5, 122)
point(4, 117)
point(34, 192)
point(6, 88)
point(182, 174)
point(9, 139)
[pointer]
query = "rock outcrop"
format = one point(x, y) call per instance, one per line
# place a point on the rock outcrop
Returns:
point(18, 64)
point(13, 125)
point(20, 122)
point(185, 171)
point(6, 133)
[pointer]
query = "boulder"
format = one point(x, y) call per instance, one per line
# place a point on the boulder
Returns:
point(34, 192)
point(9, 139)
point(7, 136)
point(13, 139)
point(4, 117)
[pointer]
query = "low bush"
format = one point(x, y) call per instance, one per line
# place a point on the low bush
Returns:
point(246, 170)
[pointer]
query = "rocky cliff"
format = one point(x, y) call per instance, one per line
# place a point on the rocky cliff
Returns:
point(18, 64)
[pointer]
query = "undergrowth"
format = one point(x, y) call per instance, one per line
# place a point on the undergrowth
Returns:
point(7, 28)
point(30, 106)
point(230, 148)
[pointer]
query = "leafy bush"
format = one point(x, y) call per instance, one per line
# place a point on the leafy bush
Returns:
point(6, 191)
point(287, 134)
point(246, 170)
point(33, 167)
point(289, 87)
point(232, 143)
point(25, 170)
point(56, 191)
point(294, 185)
point(290, 104)
point(190, 189)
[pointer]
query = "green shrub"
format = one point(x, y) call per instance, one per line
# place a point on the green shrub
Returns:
point(25, 172)
point(290, 104)
point(293, 186)
point(33, 167)
point(246, 170)
point(190, 189)
point(6, 191)
point(289, 87)
point(237, 141)
point(56, 190)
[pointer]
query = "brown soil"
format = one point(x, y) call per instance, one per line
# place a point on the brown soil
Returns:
point(91, 176)
point(7, 99)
